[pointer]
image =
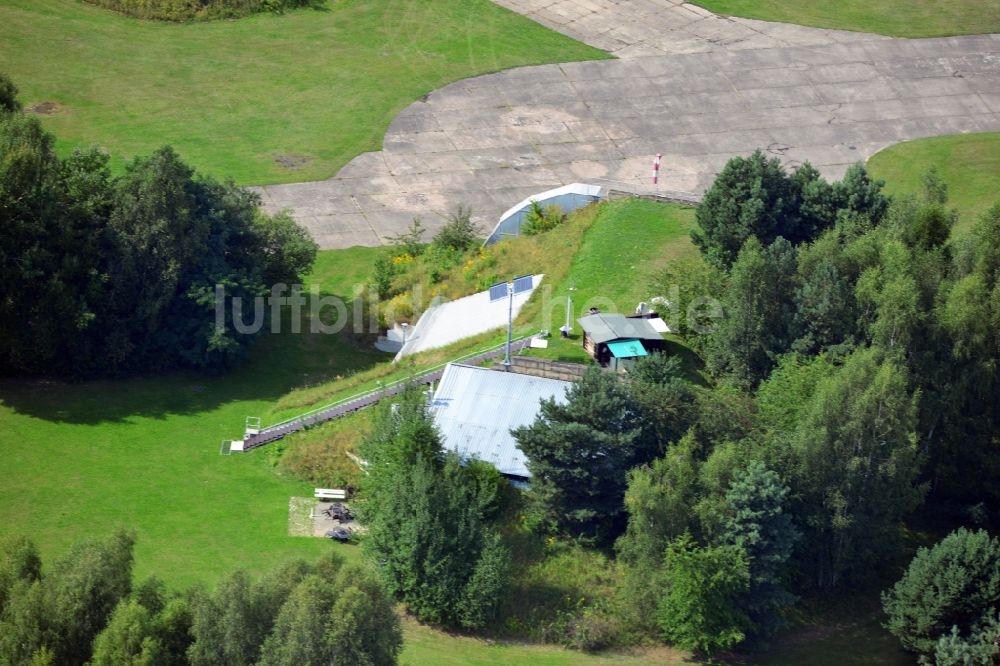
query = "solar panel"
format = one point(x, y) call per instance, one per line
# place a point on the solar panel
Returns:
point(522, 284)
point(498, 291)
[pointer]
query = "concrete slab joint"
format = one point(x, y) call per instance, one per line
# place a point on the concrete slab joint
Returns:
point(696, 87)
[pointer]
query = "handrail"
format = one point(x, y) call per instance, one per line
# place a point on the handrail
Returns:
point(399, 382)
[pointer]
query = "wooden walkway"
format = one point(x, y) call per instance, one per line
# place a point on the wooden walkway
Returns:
point(359, 402)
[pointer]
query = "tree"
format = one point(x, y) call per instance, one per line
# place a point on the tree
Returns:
point(172, 628)
point(688, 291)
point(459, 233)
point(480, 599)
point(128, 639)
point(540, 219)
point(105, 275)
point(8, 96)
point(782, 399)
point(410, 241)
point(860, 197)
point(284, 249)
point(227, 627)
point(363, 626)
point(964, 419)
point(19, 562)
point(752, 196)
point(297, 638)
point(952, 584)
point(383, 272)
point(579, 454)
point(25, 630)
point(82, 590)
point(759, 314)
point(659, 501)
point(826, 310)
point(980, 648)
point(427, 519)
point(758, 524)
point(700, 610)
point(663, 397)
point(34, 242)
point(427, 533)
point(854, 466)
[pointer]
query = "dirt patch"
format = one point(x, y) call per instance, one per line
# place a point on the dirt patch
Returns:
point(300, 516)
point(293, 162)
point(306, 518)
point(44, 108)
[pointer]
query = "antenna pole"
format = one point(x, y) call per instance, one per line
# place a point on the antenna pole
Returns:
point(510, 318)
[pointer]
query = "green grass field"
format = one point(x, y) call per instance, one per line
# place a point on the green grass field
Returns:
point(423, 646)
point(897, 18)
point(628, 241)
point(311, 88)
point(968, 163)
point(81, 459)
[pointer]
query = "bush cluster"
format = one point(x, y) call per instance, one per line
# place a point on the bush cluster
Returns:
point(197, 10)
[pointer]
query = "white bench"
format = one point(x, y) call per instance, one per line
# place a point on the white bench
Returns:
point(330, 494)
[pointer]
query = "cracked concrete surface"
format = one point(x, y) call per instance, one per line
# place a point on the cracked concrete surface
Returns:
point(799, 93)
point(636, 28)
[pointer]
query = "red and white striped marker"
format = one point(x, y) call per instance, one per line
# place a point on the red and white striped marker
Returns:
point(656, 169)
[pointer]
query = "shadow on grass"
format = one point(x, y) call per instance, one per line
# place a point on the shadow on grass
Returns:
point(845, 631)
point(276, 364)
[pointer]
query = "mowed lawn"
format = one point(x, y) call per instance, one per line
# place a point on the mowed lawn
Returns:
point(265, 99)
point(897, 18)
point(628, 241)
point(81, 459)
point(968, 163)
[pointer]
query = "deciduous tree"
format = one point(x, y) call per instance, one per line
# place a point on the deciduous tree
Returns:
point(700, 610)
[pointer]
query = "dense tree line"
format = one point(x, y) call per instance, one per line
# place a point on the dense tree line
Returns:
point(430, 520)
point(108, 275)
point(84, 609)
point(852, 381)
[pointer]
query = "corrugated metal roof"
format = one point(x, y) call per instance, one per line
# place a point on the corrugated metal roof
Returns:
point(476, 408)
point(604, 327)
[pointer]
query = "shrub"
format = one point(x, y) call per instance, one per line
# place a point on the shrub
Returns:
point(410, 242)
point(197, 10)
point(541, 219)
point(8, 95)
point(383, 271)
point(460, 233)
point(320, 457)
point(591, 630)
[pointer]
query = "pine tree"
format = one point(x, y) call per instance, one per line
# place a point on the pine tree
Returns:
point(951, 584)
point(579, 454)
point(758, 524)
